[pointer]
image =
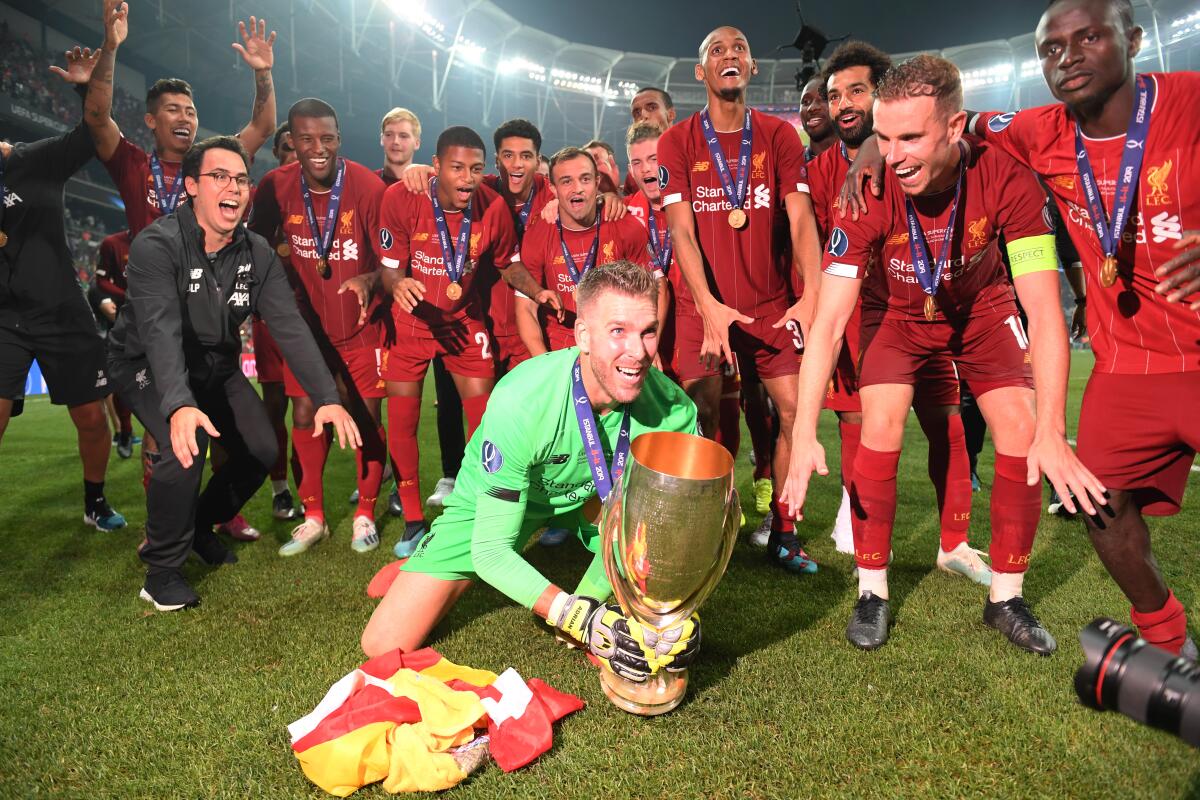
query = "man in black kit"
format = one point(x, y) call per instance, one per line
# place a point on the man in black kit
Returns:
point(174, 356)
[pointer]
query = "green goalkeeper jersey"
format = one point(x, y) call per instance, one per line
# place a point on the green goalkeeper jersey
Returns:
point(525, 466)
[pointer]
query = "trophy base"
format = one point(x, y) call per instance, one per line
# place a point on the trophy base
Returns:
point(659, 694)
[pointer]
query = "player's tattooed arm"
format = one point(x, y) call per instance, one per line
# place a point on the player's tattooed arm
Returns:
point(257, 50)
point(97, 107)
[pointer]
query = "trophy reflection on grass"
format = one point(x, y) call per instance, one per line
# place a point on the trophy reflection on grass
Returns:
point(667, 532)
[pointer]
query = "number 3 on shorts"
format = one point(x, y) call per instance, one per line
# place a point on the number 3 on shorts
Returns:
point(1014, 322)
point(797, 335)
point(485, 344)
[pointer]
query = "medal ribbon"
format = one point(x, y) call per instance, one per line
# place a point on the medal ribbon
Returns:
point(454, 257)
point(1127, 177)
point(919, 250)
point(324, 240)
point(166, 202)
point(660, 249)
point(523, 214)
point(588, 262)
point(589, 432)
point(735, 194)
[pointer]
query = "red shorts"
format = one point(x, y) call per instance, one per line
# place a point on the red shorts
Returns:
point(761, 350)
point(991, 352)
point(1140, 434)
point(466, 350)
point(268, 360)
point(510, 351)
point(687, 335)
point(358, 368)
point(842, 394)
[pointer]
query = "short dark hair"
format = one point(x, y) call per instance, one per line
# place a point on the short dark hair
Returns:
point(165, 86)
point(194, 156)
point(459, 136)
point(856, 54)
point(284, 127)
point(601, 143)
point(521, 128)
point(312, 108)
point(1124, 9)
point(666, 97)
point(568, 153)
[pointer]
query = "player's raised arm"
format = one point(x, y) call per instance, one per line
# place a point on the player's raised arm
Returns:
point(97, 108)
point(257, 50)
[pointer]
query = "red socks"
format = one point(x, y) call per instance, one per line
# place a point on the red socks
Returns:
point(950, 471)
point(1016, 509)
point(311, 452)
point(850, 434)
point(780, 522)
point(1165, 628)
point(473, 408)
point(873, 506)
point(404, 414)
point(370, 458)
point(729, 424)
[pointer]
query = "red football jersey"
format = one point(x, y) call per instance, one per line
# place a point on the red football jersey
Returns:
point(542, 254)
point(110, 266)
point(998, 196)
point(409, 242)
point(279, 205)
point(745, 263)
point(502, 304)
point(129, 169)
point(1133, 329)
point(639, 209)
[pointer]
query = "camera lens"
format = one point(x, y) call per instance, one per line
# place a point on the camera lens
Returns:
point(1124, 673)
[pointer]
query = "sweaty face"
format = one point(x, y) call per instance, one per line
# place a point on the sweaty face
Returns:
point(643, 166)
point(316, 140)
point(648, 106)
point(577, 190)
point(618, 339)
point(399, 142)
point(219, 209)
point(1085, 52)
point(517, 162)
point(727, 65)
point(173, 123)
point(814, 111)
point(919, 143)
point(850, 100)
point(459, 171)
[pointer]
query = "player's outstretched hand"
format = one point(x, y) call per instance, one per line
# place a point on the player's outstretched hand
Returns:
point(408, 292)
point(549, 297)
point(605, 632)
point(416, 178)
point(361, 286)
point(81, 62)
point(257, 48)
point(116, 23)
point(673, 649)
point(717, 318)
point(612, 206)
point(807, 457)
point(184, 423)
point(1181, 275)
point(867, 169)
point(343, 425)
point(1053, 457)
point(550, 210)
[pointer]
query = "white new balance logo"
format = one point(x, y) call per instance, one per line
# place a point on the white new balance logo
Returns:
point(1165, 226)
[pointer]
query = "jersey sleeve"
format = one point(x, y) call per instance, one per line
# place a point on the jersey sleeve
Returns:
point(394, 228)
point(673, 166)
point(790, 167)
point(63, 156)
point(1022, 210)
point(1014, 132)
point(851, 243)
point(819, 191)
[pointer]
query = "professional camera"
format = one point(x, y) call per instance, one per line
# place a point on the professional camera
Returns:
point(1124, 673)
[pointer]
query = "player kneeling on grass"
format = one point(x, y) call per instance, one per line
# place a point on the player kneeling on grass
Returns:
point(527, 464)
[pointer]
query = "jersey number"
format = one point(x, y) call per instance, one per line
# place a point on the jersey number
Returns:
point(797, 334)
point(481, 339)
point(1014, 322)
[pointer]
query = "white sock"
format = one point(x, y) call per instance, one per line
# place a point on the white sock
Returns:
point(279, 487)
point(873, 580)
point(1005, 586)
point(843, 515)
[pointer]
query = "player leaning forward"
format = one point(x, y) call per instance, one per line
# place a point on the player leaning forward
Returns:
point(526, 465)
point(946, 292)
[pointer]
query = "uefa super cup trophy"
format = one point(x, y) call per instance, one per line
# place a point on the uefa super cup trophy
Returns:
point(667, 532)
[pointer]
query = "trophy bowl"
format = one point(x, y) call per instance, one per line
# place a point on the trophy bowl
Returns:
point(667, 531)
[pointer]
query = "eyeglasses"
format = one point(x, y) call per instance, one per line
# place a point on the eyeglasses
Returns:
point(222, 179)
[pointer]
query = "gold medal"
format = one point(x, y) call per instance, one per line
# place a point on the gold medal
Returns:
point(454, 291)
point(930, 308)
point(1108, 272)
point(737, 218)
point(323, 267)
point(284, 249)
point(3, 238)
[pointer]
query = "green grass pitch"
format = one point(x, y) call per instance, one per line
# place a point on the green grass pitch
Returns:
point(104, 698)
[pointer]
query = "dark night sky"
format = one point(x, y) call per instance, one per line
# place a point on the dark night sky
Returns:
point(676, 28)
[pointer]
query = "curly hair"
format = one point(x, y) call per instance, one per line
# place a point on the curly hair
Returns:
point(856, 54)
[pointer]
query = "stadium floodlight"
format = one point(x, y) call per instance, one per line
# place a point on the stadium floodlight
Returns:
point(992, 75)
point(414, 13)
point(1185, 26)
point(1030, 68)
point(469, 51)
point(519, 64)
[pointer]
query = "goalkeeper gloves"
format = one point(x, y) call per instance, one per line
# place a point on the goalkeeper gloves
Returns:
point(672, 649)
point(605, 631)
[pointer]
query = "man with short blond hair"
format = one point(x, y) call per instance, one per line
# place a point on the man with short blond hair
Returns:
point(400, 138)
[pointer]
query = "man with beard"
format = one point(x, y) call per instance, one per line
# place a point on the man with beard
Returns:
point(723, 174)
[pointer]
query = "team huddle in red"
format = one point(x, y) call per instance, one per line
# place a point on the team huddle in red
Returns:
point(909, 246)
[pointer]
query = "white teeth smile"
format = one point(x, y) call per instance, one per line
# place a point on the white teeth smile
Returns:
point(629, 373)
point(729, 72)
point(907, 172)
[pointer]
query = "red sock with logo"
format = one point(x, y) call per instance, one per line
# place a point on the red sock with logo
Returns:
point(729, 424)
point(312, 451)
point(370, 458)
point(1016, 509)
point(473, 408)
point(1165, 628)
point(873, 505)
point(850, 434)
point(950, 472)
point(404, 415)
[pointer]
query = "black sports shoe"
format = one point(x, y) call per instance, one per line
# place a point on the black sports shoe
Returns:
point(282, 506)
point(1015, 620)
point(394, 506)
point(168, 591)
point(868, 628)
point(206, 545)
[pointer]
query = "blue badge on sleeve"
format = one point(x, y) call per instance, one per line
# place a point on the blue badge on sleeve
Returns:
point(1001, 121)
point(663, 177)
point(839, 242)
point(385, 239)
point(493, 460)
